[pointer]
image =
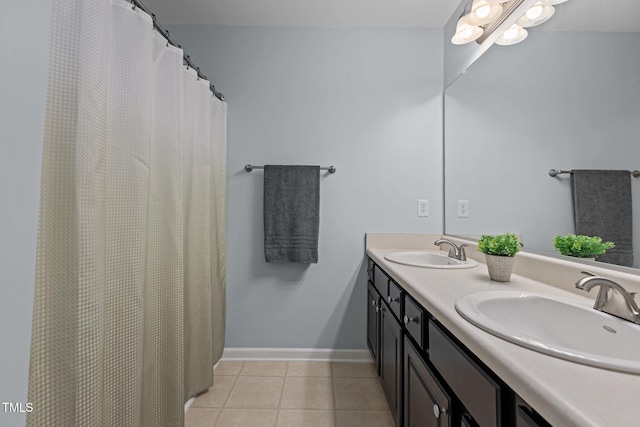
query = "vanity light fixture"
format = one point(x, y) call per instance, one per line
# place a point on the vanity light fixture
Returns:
point(483, 12)
point(465, 33)
point(515, 34)
point(536, 15)
point(488, 15)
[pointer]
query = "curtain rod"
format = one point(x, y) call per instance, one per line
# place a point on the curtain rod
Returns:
point(165, 33)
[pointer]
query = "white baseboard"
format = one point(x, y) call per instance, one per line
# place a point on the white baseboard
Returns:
point(303, 354)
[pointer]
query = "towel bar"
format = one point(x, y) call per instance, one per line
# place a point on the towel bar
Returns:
point(556, 172)
point(249, 168)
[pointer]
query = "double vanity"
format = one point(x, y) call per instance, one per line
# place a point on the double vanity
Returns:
point(454, 348)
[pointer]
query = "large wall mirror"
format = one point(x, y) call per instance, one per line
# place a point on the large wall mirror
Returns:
point(567, 97)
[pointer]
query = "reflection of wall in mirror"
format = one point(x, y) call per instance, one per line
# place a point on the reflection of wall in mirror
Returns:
point(563, 100)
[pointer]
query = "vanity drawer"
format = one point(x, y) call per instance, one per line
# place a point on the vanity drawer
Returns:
point(477, 391)
point(414, 320)
point(370, 269)
point(381, 281)
point(526, 416)
point(394, 298)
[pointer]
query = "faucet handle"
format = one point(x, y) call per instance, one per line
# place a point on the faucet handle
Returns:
point(581, 282)
point(463, 255)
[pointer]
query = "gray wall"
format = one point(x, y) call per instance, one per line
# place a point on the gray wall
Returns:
point(562, 100)
point(24, 31)
point(366, 101)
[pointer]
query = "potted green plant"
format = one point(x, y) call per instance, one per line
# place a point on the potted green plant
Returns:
point(499, 252)
point(581, 246)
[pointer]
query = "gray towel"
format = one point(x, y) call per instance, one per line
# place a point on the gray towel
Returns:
point(602, 207)
point(291, 213)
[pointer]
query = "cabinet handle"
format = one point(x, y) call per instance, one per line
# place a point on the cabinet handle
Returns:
point(407, 320)
point(373, 303)
point(437, 410)
point(390, 300)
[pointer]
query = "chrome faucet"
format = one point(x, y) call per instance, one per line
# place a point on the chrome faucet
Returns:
point(456, 252)
point(612, 297)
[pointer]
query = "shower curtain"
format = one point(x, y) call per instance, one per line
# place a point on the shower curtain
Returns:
point(130, 277)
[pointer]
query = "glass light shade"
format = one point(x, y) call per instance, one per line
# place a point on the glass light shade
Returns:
point(515, 34)
point(483, 12)
point(553, 2)
point(536, 15)
point(465, 33)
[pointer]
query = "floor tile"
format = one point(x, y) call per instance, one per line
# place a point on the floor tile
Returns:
point(264, 369)
point(247, 418)
point(217, 395)
point(228, 368)
point(359, 393)
point(364, 419)
point(309, 369)
point(200, 417)
point(305, 418)
point(353, 370)
point(256, 392)
point(307, 393)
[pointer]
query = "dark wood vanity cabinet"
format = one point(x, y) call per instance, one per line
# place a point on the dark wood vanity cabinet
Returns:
point(384, 336)
point(391, 361)
point(526, 416)
point(429, 377)
point(373, 324)
point(426, 402)
point(476, 389)
point(415, 321)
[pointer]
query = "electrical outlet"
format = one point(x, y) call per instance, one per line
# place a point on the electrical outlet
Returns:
point(423, 207)
point(463, 209)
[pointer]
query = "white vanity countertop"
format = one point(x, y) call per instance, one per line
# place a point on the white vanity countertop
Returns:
point(564, 393)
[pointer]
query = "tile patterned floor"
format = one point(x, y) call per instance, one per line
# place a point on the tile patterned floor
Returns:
point(292, 394)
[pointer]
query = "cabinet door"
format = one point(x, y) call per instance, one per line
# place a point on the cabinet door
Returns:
point(391, 361)
point(426, 404)
point(373, 324)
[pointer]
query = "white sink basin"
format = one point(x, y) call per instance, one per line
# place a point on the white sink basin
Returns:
point(428, 260)
point(563, 329)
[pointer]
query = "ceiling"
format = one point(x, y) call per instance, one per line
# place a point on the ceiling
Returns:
point(306, 13)
point(575, 15)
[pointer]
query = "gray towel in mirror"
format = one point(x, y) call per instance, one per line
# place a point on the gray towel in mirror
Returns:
point(291, 213)
point(602, 207)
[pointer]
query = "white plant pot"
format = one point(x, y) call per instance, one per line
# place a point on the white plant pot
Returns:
point(500, 267)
